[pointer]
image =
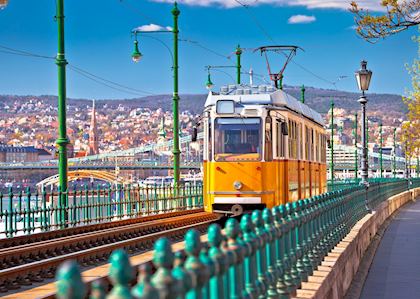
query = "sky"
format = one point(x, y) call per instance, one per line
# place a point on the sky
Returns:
point(99, 43)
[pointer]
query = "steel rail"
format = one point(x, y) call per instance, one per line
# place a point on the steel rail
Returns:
point(36, 271)
point(10, 257)
point(59, 233)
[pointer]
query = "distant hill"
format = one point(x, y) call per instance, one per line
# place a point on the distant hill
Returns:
point(388, 105)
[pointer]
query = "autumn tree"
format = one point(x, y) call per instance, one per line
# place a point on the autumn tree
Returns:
point(399, 16)
point(411, 128)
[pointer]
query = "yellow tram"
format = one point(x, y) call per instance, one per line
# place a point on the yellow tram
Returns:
point(262, 147)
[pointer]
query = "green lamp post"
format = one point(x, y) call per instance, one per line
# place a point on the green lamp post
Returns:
point(380, 150)
point(136, 56)
point(238, 53)
point(302, 94)
point(62, 140)
point(394, 162)
point(332, 143)
point(356, 170)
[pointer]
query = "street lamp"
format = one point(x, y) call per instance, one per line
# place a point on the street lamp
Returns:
point(136, 56)
point(62, 139)
point(238, 53)
point(394, 162)
point(332, 144)
point(363, 77)
point(355, 148)
point(209, 84)
point(380, 149)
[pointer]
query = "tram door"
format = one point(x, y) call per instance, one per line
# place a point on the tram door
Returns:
point(280, 132)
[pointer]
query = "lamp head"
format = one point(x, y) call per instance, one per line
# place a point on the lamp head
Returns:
point(363, 76)
point(209, 84)
point(136, 55)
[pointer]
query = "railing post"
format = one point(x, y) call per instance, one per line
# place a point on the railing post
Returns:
point(193, 263)
point(28, 211)
point(69, 281)
point(143, 288)
point(261, 255)
point(11, 214)
point(44, 210)
point(252, 285)
point(162, 280)
point(121, 274)
point(280, 251)
point(98, 290)
point(270, 252)
point(215, 239)
point(304, 208)
point(236, 268)
point(181, 274)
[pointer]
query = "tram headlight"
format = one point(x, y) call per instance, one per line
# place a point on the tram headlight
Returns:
point(237, 185)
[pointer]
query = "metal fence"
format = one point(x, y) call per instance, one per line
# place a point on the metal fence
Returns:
point(265, 255)
point(33, 211)
point(344, 184)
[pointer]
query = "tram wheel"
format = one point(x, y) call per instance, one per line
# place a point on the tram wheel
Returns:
point(237, 210)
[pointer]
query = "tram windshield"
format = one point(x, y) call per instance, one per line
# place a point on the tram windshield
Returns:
point(237, 139)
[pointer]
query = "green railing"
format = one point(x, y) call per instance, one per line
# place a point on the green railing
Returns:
point(28, 212)
point(265, 255)
point(344, 184)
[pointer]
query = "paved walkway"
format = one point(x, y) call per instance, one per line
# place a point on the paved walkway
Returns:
point(395, 270)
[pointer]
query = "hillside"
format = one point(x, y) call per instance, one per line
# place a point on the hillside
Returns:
point(388, 105)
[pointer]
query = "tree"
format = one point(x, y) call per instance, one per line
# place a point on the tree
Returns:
point(411, 128)
point(399, 16)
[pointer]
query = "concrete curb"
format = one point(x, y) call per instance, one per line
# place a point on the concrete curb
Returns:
point(333, 277)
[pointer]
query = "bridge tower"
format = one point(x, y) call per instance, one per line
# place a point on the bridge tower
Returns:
point(162, 133)
point(93, 134)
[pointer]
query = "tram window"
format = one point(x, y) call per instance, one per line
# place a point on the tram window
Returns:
point(237, 139)
point(268, 155)
point(280, 139)
point(210, 145)
point(293, 150)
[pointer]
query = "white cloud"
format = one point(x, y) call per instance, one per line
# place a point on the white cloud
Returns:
point(152, 27)
point(301, 19)
point(373, 5)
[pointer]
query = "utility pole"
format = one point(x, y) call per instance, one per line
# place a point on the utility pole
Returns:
point(356, 170)
point(332, 143)
point(238, 64)
point(175, 100)
point(380, 150)
point(62, 140)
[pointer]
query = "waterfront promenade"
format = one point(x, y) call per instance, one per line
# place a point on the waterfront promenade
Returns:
point(395, 270)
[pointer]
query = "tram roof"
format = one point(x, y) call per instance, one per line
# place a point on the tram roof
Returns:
point(262, 95)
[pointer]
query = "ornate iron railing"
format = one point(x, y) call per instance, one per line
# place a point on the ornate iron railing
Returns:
point(267, 254)
point(28, 212)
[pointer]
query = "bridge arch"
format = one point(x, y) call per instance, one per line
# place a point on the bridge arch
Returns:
point(106, 176)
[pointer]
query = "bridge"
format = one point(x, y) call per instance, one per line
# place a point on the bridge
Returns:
point(158, 156)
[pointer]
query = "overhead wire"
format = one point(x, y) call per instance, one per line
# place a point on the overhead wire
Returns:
point(108, 81)
point(86, 74)
point(268, 36)
point(103, 83)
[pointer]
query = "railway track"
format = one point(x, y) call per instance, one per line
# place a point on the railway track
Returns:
point(26, 264)
point(49, 235)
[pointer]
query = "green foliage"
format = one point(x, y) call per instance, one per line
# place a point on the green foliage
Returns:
point(399, 16)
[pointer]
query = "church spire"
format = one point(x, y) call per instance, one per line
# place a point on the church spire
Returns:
point(93, 134)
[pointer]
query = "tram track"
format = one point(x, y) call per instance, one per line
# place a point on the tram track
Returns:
point(31, 263)
point(71, 231)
